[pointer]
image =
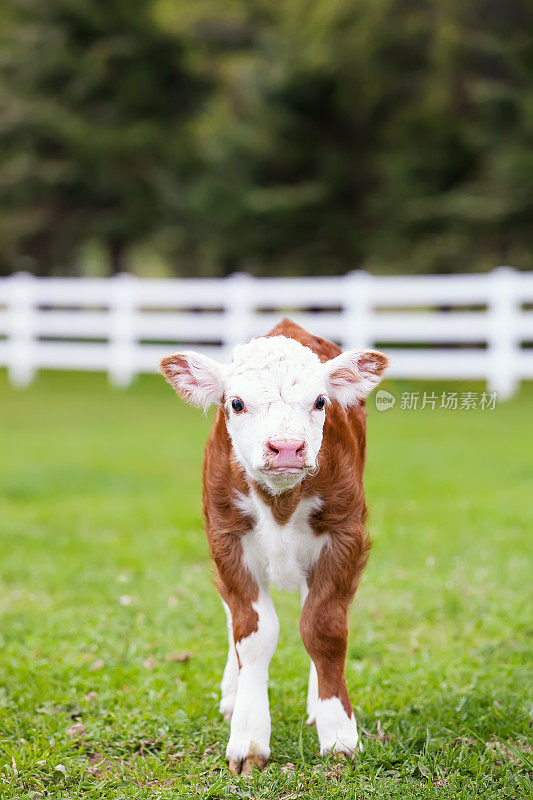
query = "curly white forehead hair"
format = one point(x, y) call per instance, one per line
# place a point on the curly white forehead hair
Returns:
point(272, 353)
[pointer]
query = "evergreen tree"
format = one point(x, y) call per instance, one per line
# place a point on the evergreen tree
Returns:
point(274, 137)
point(386, 134)
point(95, 100)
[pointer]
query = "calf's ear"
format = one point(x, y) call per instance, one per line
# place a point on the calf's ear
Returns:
point(196, 378)
point(351, 376)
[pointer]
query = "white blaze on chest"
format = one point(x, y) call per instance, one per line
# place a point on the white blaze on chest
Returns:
point(283, 554)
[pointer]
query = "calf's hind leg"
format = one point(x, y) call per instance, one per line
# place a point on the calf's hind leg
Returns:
point(312, 695)
point(230, 677)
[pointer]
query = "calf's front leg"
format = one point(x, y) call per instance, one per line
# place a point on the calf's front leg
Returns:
point(323, 626)
point(255, 631)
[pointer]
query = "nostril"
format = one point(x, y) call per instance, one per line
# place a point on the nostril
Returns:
point(272, 449)
point(300, 449)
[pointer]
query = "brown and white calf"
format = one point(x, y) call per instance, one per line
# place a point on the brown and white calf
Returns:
point(284, 503)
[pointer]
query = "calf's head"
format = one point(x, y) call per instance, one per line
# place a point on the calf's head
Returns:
point(275, 396)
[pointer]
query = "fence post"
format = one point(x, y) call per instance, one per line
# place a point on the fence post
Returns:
point(20, 329)
point(121, 331)
point(357, 310)
point(239, 308)
point(502, 338)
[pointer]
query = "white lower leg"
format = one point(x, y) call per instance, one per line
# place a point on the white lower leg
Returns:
point(312, 695)
point(336, 730)
point(250, 723)
point(230, 677)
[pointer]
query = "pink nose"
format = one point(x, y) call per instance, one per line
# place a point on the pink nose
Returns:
point(286, 452)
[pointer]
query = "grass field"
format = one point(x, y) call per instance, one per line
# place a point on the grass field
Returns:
point(105, 587)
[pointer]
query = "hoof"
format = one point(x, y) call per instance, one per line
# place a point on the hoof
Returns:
point(227, 715)
point(343, 752)
point(245, 766)
point(342, 755)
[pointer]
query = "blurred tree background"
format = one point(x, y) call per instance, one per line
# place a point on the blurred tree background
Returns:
point(208, 136)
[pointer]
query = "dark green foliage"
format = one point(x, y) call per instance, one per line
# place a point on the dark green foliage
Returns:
point(393, 135)
point(93, 110)
point(383, 133)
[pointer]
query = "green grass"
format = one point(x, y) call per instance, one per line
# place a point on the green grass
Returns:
point(104, 576)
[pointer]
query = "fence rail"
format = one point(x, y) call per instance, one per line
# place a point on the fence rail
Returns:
point(459, 326)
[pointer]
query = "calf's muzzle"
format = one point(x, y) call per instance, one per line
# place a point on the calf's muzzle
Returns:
point(286, 453)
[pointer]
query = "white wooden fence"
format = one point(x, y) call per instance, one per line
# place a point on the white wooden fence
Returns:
point(476, 326)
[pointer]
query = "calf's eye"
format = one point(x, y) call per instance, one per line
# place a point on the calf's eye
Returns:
point(237, 405)
point(320, 402)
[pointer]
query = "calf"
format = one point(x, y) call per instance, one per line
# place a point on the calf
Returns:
point(283, 502)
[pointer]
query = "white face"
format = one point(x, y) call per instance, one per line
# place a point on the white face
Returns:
point(275, 395)
point(278, 382)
